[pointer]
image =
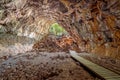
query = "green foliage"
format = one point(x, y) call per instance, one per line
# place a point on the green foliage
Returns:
point(56, 29)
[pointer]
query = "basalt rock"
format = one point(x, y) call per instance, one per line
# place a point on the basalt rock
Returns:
point(94, 24)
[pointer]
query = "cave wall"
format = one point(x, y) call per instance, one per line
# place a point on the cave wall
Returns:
point(97, 23)
point(25, 18)
point(94, 24)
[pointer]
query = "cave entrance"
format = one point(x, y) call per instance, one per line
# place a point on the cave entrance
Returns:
point(57, 30)
point(57, 40)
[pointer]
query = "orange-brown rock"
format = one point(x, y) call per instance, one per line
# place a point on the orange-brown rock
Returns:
point(95, 21)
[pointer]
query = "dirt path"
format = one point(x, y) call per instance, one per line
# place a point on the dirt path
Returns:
point(42, 66)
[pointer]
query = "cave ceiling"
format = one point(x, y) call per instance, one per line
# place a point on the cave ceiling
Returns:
point(92, 23)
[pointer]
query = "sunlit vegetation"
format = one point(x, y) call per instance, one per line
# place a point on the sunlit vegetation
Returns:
point(57, 30)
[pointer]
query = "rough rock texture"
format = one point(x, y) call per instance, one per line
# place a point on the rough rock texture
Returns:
point(11, 45)
point(42, 66)
point(94, 24)
point(52, 44)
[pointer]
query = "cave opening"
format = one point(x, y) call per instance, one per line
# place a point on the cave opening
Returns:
point(57, 30)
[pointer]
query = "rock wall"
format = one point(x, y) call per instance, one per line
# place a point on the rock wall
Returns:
point(25, 18)
point(94, 24)
point(97, 22)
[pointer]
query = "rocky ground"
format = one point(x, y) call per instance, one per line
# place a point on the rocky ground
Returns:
point(42, 66)
point(19, 62)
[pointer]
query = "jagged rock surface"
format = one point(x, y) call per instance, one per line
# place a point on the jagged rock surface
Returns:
point(42, 66)
point(94, 24)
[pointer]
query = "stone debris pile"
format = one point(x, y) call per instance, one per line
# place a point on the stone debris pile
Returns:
point(56, 44)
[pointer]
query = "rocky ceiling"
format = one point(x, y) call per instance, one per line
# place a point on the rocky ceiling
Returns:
point(94, 24)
